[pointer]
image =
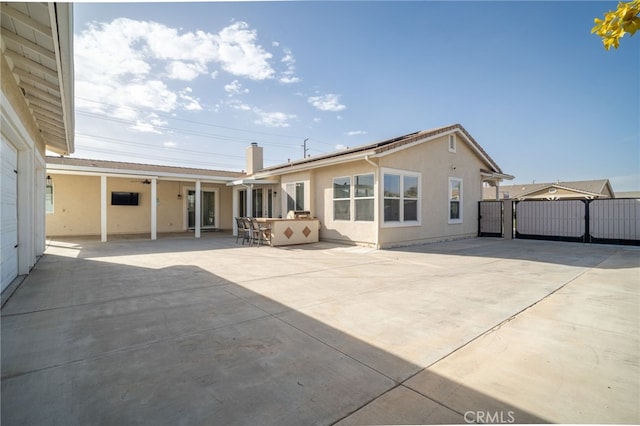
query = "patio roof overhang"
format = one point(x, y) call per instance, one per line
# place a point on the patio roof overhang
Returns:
point(37, 45)
point(133, 174)
point(244, 182)
point(494, 177)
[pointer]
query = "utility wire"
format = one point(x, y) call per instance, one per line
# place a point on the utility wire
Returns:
point(188, 121)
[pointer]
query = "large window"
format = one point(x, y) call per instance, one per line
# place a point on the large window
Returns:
point(455, 200)
point(295, 196)
point(401, 193)
point(342, 198)
point(364, 197)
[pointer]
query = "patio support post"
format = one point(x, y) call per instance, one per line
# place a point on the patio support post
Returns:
point(198, 208)
point(103, 208)
point(154, 209)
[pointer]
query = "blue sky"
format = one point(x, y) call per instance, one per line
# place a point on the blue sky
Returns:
point(192, 84)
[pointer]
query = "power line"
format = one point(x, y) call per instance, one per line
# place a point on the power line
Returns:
point(172, 159)
point(187, 132)
point(193, 121)
point(134, 143)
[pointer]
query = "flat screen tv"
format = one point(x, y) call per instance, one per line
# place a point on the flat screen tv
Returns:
point(124, 198)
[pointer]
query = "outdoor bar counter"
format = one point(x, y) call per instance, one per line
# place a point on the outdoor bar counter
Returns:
point(286, 232)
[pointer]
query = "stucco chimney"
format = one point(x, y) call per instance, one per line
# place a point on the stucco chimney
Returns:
point(254, 158)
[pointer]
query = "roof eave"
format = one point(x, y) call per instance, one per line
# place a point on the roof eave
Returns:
point(61, 17)
point(297, 167)
point(97, 171)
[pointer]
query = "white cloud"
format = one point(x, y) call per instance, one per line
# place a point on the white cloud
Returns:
point(317, 120)
point(169, 144)
point(289, 75)
point(236, 104)
point(127, 65)
point(328, 102)
point(185, 71)
point(356, 133)
point(273, 119)
point(341, 147)
point(240, 55)
point(235, 88)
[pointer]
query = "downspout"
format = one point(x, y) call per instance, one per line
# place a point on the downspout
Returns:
point(376, 199)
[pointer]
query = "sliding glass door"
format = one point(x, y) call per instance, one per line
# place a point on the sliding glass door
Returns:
point(207, 209)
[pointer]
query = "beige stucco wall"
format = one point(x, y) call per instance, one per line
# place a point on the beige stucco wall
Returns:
point(309, 200)
point(437, 165)
point(352, 231)
point(77, 206)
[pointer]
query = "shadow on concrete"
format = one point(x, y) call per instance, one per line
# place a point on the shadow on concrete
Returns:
point(95, 342)
point(552, 252)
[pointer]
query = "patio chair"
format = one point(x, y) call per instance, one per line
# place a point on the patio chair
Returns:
point(259, 232)
point(243, 230)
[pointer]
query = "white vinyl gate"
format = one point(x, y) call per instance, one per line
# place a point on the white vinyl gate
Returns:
point(8, 214)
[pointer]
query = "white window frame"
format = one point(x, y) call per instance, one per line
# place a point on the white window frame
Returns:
point(460, 201)
point(372, 197)
point(401, 222)
point(294, 196)
point(353, 198)
point(349, 199)
point(452, 143)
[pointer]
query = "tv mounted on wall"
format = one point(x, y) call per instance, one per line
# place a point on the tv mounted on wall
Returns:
point(124, 198)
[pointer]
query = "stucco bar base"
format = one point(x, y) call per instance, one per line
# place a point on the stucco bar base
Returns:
point(286, 232)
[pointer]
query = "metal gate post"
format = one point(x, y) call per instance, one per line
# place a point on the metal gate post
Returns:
point(507, 219)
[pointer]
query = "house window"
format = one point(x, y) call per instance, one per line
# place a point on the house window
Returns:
point(295, 196)
point(360, 198)
point(342, 198)
point(401, 193)
point(48, 198)
point(452, 143)
point(364, 197)
point(455, 200)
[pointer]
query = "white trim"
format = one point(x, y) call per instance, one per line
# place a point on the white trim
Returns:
point(349, 199)
point(401, 223)
point(452, 146)
point(154, 209)
point(63, 13)
point(185, 203)
point(198, 215)
point(129, 173)
point(103, 208)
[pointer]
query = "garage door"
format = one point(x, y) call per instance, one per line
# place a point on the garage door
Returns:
point(8, 214)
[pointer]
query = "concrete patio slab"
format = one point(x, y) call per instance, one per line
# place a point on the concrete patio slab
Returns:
point(204, 331)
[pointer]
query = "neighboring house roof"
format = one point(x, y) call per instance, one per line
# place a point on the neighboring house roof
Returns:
point(39, 51)
point(628, 194)
point(384, 147)
point(586, 188)
point(80, 165)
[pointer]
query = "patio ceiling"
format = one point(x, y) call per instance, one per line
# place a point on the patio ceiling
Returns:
point(37, 43)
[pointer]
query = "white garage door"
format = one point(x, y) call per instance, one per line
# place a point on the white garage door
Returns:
point(8, 214)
